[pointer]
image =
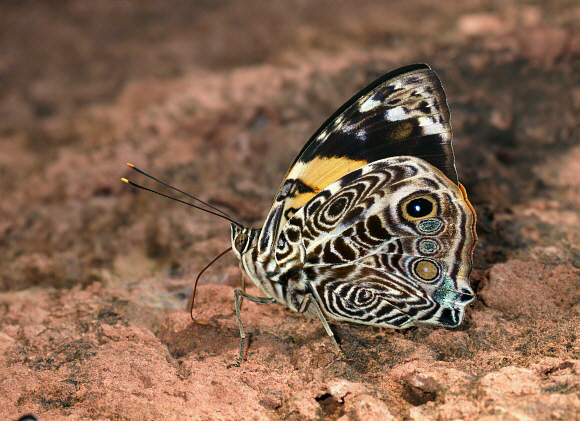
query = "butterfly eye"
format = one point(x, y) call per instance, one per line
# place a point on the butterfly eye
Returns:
point(426, 270)
point(419, 208)
point(240, 242)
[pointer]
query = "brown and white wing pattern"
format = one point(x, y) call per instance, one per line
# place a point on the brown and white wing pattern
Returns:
point(389, 244)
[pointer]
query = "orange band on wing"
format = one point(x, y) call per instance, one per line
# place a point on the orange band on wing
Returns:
point(318, 174)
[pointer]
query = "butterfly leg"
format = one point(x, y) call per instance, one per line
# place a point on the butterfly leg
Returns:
point(309, 298)
point(239, 295)
point(243, 283)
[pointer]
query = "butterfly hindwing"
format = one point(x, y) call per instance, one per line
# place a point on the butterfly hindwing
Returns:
point(402, 113)
point(389, 244)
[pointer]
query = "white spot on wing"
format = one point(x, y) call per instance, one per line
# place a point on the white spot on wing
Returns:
point(322, 136)
point(339, 122)
point(396, 114)
point(430, 126)
point(434, 129)
point(349, 128)
point(369, 104)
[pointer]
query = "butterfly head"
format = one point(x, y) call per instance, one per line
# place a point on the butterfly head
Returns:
point(243, 239)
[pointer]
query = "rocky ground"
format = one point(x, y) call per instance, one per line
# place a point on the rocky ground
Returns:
point(217, 98)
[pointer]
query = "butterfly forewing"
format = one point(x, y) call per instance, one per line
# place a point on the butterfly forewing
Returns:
point(403, 113)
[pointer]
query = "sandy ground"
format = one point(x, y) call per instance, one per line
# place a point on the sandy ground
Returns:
point(217, 98)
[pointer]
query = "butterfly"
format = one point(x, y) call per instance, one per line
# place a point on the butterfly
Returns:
point(370, 224)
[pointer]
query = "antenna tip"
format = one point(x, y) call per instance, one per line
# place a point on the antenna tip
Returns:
point(124, 180)
point(130, 165)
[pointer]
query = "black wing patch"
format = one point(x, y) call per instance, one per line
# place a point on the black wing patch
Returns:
point(404, 113)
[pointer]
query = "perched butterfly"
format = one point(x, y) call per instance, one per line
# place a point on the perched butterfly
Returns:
point(370, 224)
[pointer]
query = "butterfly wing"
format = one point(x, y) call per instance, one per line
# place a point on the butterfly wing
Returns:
point(402, 113)
point(389, 244)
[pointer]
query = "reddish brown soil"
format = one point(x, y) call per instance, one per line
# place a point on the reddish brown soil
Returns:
point(217, 98)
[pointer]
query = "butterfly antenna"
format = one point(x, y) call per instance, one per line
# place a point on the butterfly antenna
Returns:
point(232, 220)
point(218, 212)
point(192, 299)
point(139, 170)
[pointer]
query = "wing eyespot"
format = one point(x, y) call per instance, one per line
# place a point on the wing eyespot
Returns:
point(419, 208)
point(428, 246)
point(429, 226)
point(426, 270)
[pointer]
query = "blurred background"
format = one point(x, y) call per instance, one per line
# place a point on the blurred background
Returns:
point(217, 97)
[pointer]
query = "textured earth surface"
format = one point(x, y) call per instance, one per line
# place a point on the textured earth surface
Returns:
point(217, 98)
